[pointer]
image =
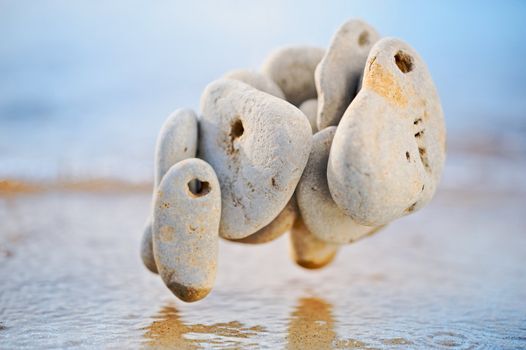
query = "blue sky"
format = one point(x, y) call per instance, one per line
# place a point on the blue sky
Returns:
point(87, 72)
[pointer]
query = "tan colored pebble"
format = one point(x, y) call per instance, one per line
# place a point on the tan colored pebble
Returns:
point(292, 68)
point(258, 145)
point(339, 72)
point(388, 152)
point(257, 81)
point(319, 212)
point(177, 140)
point(307, 250)
point(185, 229)
point(310, 109)
point(281, 224)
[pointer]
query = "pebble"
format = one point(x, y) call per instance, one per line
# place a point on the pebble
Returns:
point(292, 68)
point(257, 81)
point(185, 228)
point(339, 73)
point(388, 152)
point(258, 145)
point(307, 250)
point(320, 214)
point(310, 109)
point(281, 224)
point(330, 146)
point(177, 140)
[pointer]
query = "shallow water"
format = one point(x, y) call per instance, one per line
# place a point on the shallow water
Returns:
point(450, 276)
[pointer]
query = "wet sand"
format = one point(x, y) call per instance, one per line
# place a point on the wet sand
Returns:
point(450, 276)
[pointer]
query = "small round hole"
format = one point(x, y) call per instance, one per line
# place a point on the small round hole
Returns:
point(237, 129)
point(363, 39)
point(408, 156)
point(404, 62)
point(198, 188)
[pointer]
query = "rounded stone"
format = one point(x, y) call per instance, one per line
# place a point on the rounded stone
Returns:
point(185, 228)
point(177, 140)
point(256, 80)
point(281, 224)
point(258, 145)
point(307, 250)
point(319, 212)
point(310, 109)
point(388, 152)
point(339, 73)
point(292, 68)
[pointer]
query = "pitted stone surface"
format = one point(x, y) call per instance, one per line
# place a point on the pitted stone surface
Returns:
point(388, 152)
point(258, 145)
point(185, 228)
point(177, 140)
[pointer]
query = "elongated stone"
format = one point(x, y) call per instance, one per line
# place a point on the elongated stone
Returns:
point(177, 140)
point(256, 80)
point(319, 212)
point(258, 145)
point(292, 68)
point(185, 228)
point(388, 152)
point(307, 250)
point(338, 75)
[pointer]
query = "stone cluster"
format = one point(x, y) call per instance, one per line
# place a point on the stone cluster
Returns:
point(331, 145)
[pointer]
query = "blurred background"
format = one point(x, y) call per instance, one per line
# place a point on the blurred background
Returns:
point(85, 86)
point(84, 89)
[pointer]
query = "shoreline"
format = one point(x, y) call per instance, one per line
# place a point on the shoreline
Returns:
point(14, 187)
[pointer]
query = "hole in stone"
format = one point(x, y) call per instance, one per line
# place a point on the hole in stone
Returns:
point(198, 188)
point(273, 180)
point(423, 158)
point(407, 156)
point(416, 122)
point(411, 208)
point(237, 129)
point(423, 187)
point(419, 134)
point(363, 39)
point(404, 62)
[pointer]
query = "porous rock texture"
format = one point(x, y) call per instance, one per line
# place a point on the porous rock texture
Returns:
point(185, 228)
point(258, 145)
point(177, 140)
point(389, 149)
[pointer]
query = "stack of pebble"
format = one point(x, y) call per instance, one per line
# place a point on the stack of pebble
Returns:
point(330, 145)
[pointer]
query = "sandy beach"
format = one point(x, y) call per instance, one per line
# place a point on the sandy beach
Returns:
point(450, 276)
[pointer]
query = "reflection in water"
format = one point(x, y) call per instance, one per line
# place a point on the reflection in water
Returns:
point(169, 331)
point(312, 326)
